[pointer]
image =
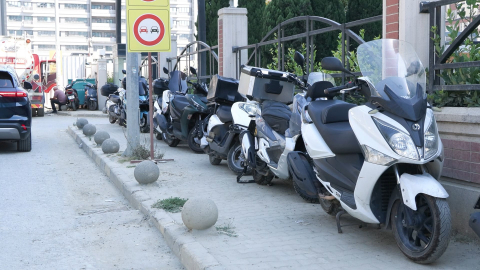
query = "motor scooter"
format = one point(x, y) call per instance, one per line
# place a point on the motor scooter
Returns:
point(72, 97)
point(91, 100)
point(379, 162)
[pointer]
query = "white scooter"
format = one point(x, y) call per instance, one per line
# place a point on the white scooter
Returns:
point(380, 162)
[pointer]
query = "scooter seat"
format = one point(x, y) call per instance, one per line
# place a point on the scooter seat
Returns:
point(224, 113)
point(203, 99)
point(180, 102)
point(277, 115)
point(114, 98)
point(331, 119)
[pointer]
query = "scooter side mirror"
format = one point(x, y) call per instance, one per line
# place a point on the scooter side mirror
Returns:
point(299, 59)
point(193, 71)
point(165, 70)
point(124, 71)
point(334, 64)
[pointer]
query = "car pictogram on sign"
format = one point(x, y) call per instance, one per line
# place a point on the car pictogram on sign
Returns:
point(149, 29)
point(143, 29)
point(154, 29)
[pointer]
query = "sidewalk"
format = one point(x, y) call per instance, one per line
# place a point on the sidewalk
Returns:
point(82, 113)
point(275, 228)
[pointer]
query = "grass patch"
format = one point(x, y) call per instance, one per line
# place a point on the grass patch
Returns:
point(172, 205)
point(226, 229)
point(131, 166)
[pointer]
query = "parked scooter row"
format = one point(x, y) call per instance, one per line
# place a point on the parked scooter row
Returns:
point(379, 162)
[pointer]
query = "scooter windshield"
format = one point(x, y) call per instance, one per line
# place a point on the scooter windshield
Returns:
point(178, 82)
point(394, 64)
point(319, 77)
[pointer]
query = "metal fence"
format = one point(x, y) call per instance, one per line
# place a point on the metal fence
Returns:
point(438, 63)
point(310, 32)
point(198, 49)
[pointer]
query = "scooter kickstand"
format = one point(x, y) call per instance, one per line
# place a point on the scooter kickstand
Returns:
point(339, 214)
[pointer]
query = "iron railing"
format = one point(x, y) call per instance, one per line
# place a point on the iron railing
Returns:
point(310, 31)
point(438, 63)
point(196, 48)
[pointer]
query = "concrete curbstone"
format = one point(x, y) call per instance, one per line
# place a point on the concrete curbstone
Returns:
point(191, 253)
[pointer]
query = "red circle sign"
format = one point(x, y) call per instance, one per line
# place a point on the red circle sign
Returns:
point(149, 29)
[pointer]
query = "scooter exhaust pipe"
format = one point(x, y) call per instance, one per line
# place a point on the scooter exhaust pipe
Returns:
point(328, 198)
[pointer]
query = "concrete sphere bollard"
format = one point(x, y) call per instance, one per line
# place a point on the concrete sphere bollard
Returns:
point(100, 137)
point(146, 172)
point(81, 122)
point(89, 130)
point(110, 146)
point(199, 213)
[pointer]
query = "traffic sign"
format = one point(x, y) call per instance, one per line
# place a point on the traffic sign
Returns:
point(148, 26)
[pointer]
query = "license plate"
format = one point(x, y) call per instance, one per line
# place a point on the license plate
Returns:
point(71, 97)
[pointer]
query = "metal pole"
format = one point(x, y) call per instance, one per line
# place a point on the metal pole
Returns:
point(150, 102)
point(133, 131)
point(118, 21)
point(3, 17)
point(202, 36)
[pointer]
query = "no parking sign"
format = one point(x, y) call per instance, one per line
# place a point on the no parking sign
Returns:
point(148, 26)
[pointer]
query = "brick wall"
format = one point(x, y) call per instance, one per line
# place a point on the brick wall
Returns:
point(462, 160)
point(220, 47)
point(391, 19)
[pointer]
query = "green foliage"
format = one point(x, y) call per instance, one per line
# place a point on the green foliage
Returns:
point(362, 9)
point(211, 15)
point(333, 10)
point(255, 10)
point(470, 51)
point(172, 205)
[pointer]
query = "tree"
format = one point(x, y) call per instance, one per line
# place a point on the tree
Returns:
point(255, 10)
point(211, 14)
point(335, 11)
point(362, 9)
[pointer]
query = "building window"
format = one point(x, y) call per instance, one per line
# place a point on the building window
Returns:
point(14, 3)
point(181, 10)
point(28, 18)
point(108, 48)
point(97, 47)
point(45, 5)
point(15, 32)
point(182, 23)
point(76, 47)
point(102, 20)
point(46, 33)
point(107, 7)
point(76, 20)
point(14, 18)
point(76, 34)
point(184, 36)
point(75, 6)
point(45, 19)
point(103, 34)
point(46, 47)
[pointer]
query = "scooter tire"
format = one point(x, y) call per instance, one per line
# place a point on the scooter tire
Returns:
point(262, 179)
point(74, 106)
point(303, 195)
point(92, 105)
point(158, 135)
point(169, 141)
point(232, 155)
point(439, 231)
point(213, 160)
point(191, 142)
point(40, 112)
point(112, 119)
point(145, 128)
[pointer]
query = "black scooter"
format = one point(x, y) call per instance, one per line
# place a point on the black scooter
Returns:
point(91, 101)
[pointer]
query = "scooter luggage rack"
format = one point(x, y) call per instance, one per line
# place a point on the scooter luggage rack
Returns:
point(339, 227)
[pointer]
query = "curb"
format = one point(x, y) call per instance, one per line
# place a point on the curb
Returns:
point(82, 114)
point(192, 254)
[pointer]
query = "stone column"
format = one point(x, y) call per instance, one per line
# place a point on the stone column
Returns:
point(101, 81)
point(232, 31)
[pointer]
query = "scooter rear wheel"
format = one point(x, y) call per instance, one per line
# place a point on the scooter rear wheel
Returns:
point(428, 238)
point(262, 179)
point(331, 207)
point(235, 158)
point(172, 142)
point(305, 196)
point(213, 160)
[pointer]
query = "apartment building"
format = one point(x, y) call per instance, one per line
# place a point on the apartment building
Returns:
point(85, 26)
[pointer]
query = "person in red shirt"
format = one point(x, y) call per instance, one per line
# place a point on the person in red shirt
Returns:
point(59, 98)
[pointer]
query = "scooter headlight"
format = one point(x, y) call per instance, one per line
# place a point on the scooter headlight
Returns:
point(399, 141)
point(250, 109)
point(431, 139)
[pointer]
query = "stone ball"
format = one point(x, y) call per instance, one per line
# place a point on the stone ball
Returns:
point(81, 122)
point(199, 213)
point(110, 146)
point(146, 172)
point(63, 107)
point(100, 137)
point(89, 130)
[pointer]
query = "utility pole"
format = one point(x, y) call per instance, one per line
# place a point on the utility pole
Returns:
point(58, 53)
point(202, 36)
point(133, 128)
point(3, 17)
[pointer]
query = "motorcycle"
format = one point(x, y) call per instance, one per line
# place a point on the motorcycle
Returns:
point(220, 140)
point(160, 85)
point(187, 112)
point(91, 96)
point(272, 134)
point(475, 219)
point(144, 105)
point(379, 162)
point(72, 97)
point(114, 104)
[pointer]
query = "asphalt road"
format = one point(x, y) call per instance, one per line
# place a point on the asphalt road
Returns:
point(58, 211)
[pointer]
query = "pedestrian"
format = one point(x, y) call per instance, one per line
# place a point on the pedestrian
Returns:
point(59, 98)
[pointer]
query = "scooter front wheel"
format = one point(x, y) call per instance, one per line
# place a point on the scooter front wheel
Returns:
point(235, 158)
point(192, 135)
point(427, 238)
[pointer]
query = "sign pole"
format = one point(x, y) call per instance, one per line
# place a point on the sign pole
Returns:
point(150, 102)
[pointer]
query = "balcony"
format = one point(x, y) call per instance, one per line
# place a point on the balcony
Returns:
point(74, 26)
point(72, 11)
point(103, 26)
point(105, 1)
point(103, 40)
point(103, 13)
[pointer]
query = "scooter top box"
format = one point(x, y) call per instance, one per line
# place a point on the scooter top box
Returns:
point(265, 84)
point(224, 89)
